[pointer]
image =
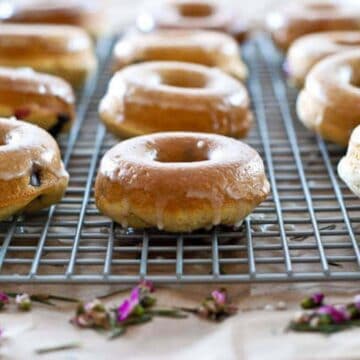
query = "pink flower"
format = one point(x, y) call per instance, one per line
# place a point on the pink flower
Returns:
point(147, 285)
point(219, 297)
point(337, 315)
point(128, 305)
point(23, 302)
point(357, 301)
point(4, 299)
point(313, 301)
point(92, 315)
point(217, 306)
point(318, 298)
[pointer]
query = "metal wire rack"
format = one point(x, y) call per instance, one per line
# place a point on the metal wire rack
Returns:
point(305, 231)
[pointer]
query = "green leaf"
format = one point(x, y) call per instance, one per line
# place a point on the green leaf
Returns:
point(116, 332)
point(63, 298)
point(60, 347)
point(188, 310)
point(137, 320)
point(173, 313)
point(324, 329)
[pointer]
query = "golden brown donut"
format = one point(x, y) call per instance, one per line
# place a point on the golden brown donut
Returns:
point(329, 102)
point(32, 175)
point(64, 51)
point(44, 100)
point(208, 48)
point(194, 15)
point(296, 19)
point(308, 50)
point(88, 14)
point(349, 165)
point(180, 181)
point(175, 96)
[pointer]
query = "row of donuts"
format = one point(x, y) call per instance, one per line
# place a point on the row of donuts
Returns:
point(177, 181)
point(178, 93)
point(322, 40)
point(46, 49)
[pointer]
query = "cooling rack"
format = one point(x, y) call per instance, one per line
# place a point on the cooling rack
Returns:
point(305, 231)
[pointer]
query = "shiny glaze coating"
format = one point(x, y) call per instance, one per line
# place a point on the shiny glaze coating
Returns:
point(308, 50)
point(194, 15)
point(208, 48)
point(180, 181)
point(175, 96)
point(329, 102)
point(34, 97)
point(87, 14)
point(349, 165)
point(296, 19)
point(27, 151)
point(65, 51)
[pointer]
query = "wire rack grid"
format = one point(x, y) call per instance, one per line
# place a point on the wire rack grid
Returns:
point(305, 231)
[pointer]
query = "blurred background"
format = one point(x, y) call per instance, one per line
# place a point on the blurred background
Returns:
point(123, 12)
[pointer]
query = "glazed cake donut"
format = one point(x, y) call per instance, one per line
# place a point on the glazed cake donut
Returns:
point(180, 181)
point(349, 165)
point(296, 19)
point(329, 102)
point(44, 100)
point(208, 48)
point(175, 96)
point(308, 50)
point(64, 51)
point(32, 175)
point(194, 15)
point(89, 15)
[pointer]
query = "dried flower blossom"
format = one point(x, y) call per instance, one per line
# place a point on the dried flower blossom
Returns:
point(357, 301)
point(217, 306)
point(4, 299)
point(337, 314)
point(147, 285)
point(130, 305)
point(92, 315)
point(23, 302)
point(327, 318)
point(136, 309)
point(219, 297)
point(313, 301)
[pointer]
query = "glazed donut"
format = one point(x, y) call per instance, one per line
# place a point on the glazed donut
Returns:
point(297, 19)
point(175, 96)
point(64, 51)
point(349, 165)
point(44, 100)
point(32, 175)
point(89, 15)
point(308, 50)
point(194, 15)
point(180, 181)
point(329, 102)
point(202, 47)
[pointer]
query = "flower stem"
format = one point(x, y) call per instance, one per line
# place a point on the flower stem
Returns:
point(60, 347)
point(174, 313)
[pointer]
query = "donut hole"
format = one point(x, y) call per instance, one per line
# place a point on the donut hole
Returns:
point(195, 9)
point(35, 176)
point(180, 151)
point(183, 79)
